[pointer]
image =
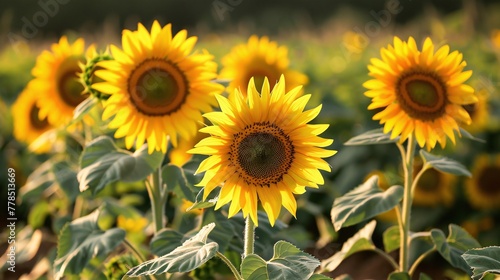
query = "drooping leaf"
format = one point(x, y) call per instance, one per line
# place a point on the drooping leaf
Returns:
point(199, 203)
point(288, 262)
point(65, 176)
point(452, 247)
point(103, 163)
point(364, 202)
point(444, 164)
point(190, 255)
point(466, 134)
point(177, 181)
point(391, 239)
point(372, 137)
point(80, 241)
point(361, 241)
point(483, 261)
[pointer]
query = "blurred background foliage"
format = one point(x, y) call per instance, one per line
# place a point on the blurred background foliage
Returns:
point(330, 41)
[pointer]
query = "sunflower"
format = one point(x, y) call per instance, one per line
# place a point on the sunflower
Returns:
point(479, 113)
point(483, 189)
point(27, 124)
point(259, 58)
point(262, 148)
point(56, 81)
point(420, 92)
point(158, 87)
point(434, 187)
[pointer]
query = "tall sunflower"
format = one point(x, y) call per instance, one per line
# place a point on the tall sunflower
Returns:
point(483, 189)
point(57, 82)
point(262, 148)
point(420, 92)
point(158, 88)
point(434, 187)
point(259, 58)
point(27, 124)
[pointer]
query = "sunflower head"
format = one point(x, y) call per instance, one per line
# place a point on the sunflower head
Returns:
point(483, 190)
point(434, 187)
point(28, 125)
point(56, 80)
point(262, 149)
point(420, 93)
point(259, 58)
point(87, 75)
point(158, 88)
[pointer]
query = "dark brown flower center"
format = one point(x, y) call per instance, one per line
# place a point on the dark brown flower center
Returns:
point(157, 87)
point(262, 153)
point(69, 87)
point(421, 95)
point(488, 180)
point(35, 121)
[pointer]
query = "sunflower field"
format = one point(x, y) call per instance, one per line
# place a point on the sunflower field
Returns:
point(240, 140)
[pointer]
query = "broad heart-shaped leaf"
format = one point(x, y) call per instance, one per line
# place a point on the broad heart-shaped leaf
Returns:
point(103, 163)
point(452, 247)
point(444, 164)
point(391, 239)
point(66, 178)
point(371, 137)
point(165, 241)
point(361, 241)
point(80, 241)
point(177, 181)
point(190, 255)
point(288, 262)
point(483, 260)
point(364, 202)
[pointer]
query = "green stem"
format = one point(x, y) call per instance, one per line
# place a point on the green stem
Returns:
point(230, 265)
point(249, 237)
point(420, 259)
point(134, 251)
point(154, 188)
point(387, 257)
point(407, 202)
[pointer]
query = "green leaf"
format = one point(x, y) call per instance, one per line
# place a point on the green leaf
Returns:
point(200, 204)
point(399, 276)
point(190, 255)
point(38, 181)
point(80, 241)
point(444, 164)
point(83, 108)
point(372, 137)
point(364, 202)
point(361, 241)
point(288, 262)
point(165, 241)
point(38, 213)
point(424, 276)
point(103, 163)
point(483, 260)
point(343, 277)
point(224, 231)
point(391, 239)
point(65, 176)
point(320, 277)
point(177, 182)
point(466, 134)
point(452, 247)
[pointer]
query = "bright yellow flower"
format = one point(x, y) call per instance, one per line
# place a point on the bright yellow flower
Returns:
point(434, 187)
point(136, 224)
point(420, 92)
point(56, 81)
point(259, 58)
point(27, 124)
point(179, 155)
point(483, 189)
point(262, 148)
point(495, 38)
point(158, 87)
